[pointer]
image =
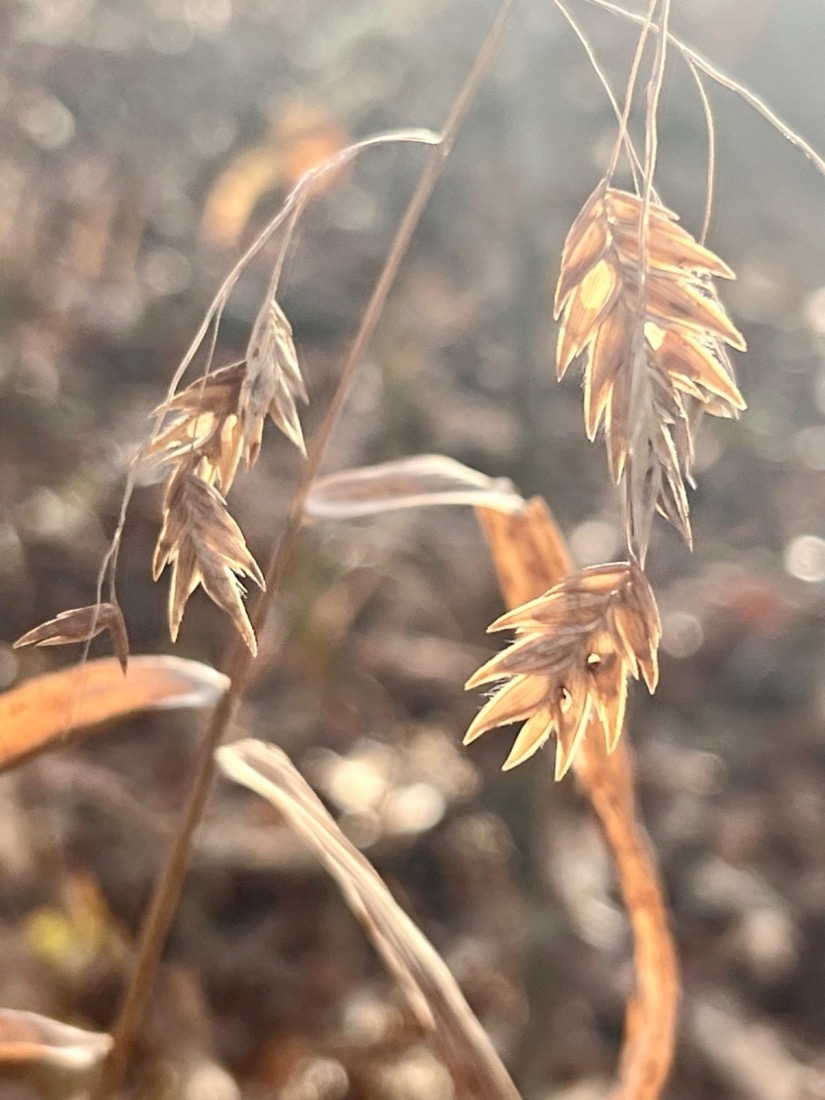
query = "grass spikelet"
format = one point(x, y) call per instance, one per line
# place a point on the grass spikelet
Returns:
point(205, 546)
point(575, 648)
point(273, 380)
point(81, 624)
point(208, 427)
point(654, 348)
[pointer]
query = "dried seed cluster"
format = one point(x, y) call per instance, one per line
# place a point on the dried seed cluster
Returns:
point(205, 546)
point(568, 668)
point(218, 422)
point(653, 347)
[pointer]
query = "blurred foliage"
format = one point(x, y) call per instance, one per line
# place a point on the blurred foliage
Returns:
point(141, 142)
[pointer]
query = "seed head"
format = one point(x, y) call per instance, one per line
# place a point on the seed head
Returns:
point(568, 668)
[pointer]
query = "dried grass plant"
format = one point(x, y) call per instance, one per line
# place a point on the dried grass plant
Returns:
point(638, 309)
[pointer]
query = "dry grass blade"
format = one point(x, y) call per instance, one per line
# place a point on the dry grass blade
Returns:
point(653, 344)
point(530, 555)
point(49, 711)
point(407, 483)
point(29, 1038)
point(205, 546)
point(431, 991)
point(568, 668)
point(80, 625)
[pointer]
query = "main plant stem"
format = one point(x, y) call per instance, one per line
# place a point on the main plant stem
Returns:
point(166, 897)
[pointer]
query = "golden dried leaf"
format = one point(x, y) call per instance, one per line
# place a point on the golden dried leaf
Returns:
point(574, 650)
point(299, 136)
point(205, 546)
point(80, 625)
point(26, 1038)
point(646, 364)
point(48, 711)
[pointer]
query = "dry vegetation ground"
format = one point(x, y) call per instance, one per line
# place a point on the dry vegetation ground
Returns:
point(142, 144)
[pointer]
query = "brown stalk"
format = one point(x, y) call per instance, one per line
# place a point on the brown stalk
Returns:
point(166, 897)
point(530, 556)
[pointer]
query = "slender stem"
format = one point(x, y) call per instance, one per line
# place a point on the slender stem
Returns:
point(167, 893)
point(631, 86)
point(722, 78)
point(711, 128)
point(654, 91)
point(632, 155)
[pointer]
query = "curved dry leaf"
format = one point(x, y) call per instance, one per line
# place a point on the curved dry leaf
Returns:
point(49, 711)
point(408, 483)
point(429, 986)
point(31, 1039)
point(80, 625)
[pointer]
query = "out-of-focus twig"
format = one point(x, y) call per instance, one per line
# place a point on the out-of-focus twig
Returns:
point(166, 897)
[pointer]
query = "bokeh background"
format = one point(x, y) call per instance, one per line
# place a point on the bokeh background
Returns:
point(142, 144)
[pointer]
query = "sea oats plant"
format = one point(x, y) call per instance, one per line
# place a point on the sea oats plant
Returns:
point(639, 311)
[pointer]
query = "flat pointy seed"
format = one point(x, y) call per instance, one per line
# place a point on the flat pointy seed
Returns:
point(531, 737)
point(681, 302)
point(80, 624)
point(696, 362)
point(670, 249)
point(586, 308)
point(510, 703)
point(578, 259)
point(608, 355)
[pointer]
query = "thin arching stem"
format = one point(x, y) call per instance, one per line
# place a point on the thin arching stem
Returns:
point(711, 129)
point(631, 87)
point(295, 203)
point(654, 91)
point(722, 78)
point(632, 155)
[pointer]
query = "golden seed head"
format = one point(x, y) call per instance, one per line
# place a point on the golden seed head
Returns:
point(568, 667)
point(653, 347)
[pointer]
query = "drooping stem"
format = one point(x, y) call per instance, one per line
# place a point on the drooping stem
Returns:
point(631, 87)
point(166, 897)
point(725, 81)
point(654, 91)
point(632, 156)
point(711, 129)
